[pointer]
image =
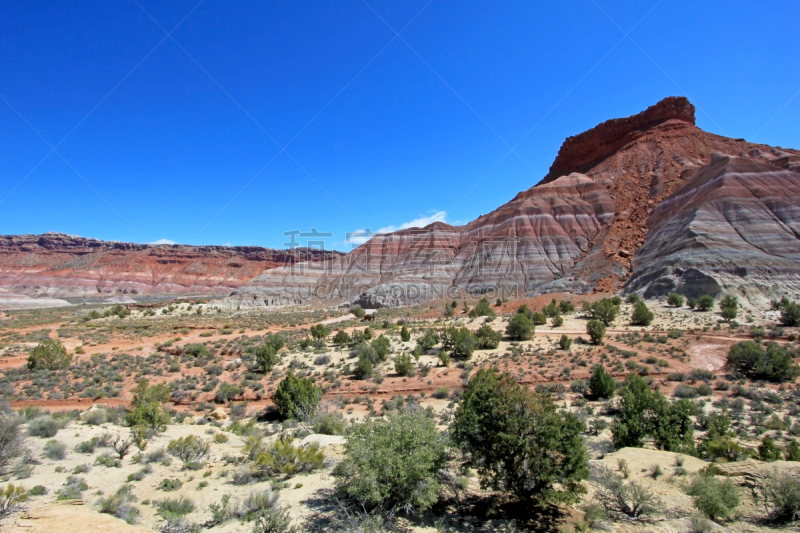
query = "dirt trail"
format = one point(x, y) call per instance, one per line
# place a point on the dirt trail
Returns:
point(709, 356)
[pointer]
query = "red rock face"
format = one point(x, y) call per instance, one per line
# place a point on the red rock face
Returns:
point(582, 152)
point(577, 231)
point(60, 266)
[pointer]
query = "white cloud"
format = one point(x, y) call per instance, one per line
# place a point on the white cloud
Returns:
point(360, 237)
point(229, 243)
point(163, 241)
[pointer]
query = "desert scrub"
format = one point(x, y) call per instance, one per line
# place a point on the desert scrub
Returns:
point(393, 462)
point(169, 485)
point(73, 488)
point(284, 458)
point(714, 498)
point(621, 499)
point(190, 449)
point(11, 499)
point(55, 450)
point(44, 427)
point(120, 504)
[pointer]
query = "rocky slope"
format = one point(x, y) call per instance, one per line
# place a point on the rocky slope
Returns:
point(578, 230)
point(735, 223)
point(60, 266)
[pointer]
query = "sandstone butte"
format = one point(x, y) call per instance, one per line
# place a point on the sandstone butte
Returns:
point(649, 203)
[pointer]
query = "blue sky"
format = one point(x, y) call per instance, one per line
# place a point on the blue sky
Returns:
point(255, 118)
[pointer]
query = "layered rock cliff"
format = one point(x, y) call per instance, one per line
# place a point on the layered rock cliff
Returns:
point(734, 224)
point(578, 230)
point(55, 265)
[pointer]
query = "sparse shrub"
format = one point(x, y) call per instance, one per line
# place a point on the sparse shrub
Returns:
point(12, 439)
point(557, 321)
point(120, 504)
point(140, 474)
point(11, 499)
point(632, 298)
point(641, 315)
point(392, 463)
point(323, 359)
point(441, 393)
point(565, 343)
point(297, 398)
point(94, 417)
point(621, 499)
point(226, 392)
point(520, 328)
point(147, 414)
point(601, 384)
point(714, 498)
point(403, 364)
point(329, 423)
point(596, 330)
point(55, 450)
point(38, 490)
point(174, 508)
point(357, 311)
point(674, 299)
point(283, 457)
point(273, 520)
point(73, 488)
point(405, 335)
point(781, 492)
point(169, 485)
point(49, 355)
point(108, 460)
point(44, 427)
point(189, 449)
point(319, 331)
point(363, 369)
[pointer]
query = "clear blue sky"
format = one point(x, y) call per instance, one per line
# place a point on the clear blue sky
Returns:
point(181, 139)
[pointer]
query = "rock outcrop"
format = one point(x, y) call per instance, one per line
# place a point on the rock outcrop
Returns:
point(582, 152)
point(55, 265)
point(734, 224)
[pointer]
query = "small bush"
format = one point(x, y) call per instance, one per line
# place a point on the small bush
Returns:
point(73, 489)
point(329, 423)
point(174, 507)
point(705, 303)
point(520, 328)
point(403, 365)
point(564, 343)
point(622, 499)
point(714, 498)
point(596, 330)
point(44, 427)
point(94, 417)
point(283, 457)
point(189, 449)
point(11, 499)
point(781, 491)
point(169, 485)
point(120, 504)
point(55, 450)
point(641, 315)
point(49, 355)
point(441, 393)
point(297, 398)
point(674, 299)
point(12, 439)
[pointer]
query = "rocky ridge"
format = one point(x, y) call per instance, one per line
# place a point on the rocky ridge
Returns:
point(60, 266)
